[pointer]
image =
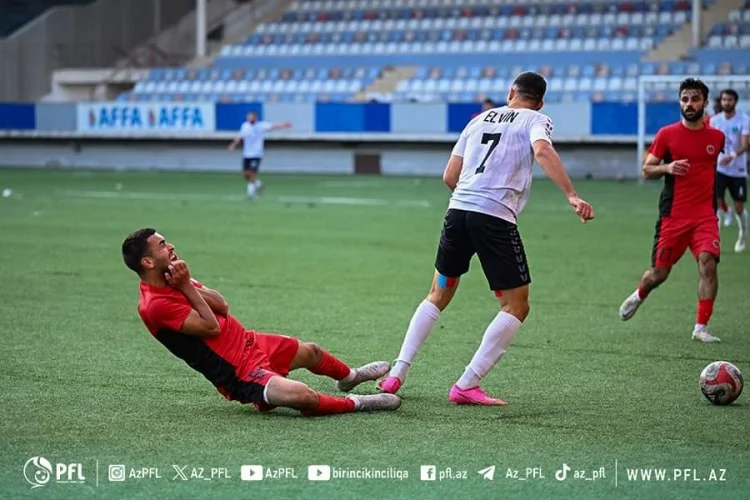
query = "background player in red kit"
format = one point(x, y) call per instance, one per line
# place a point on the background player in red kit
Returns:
point(194, 323)
point(687, 211)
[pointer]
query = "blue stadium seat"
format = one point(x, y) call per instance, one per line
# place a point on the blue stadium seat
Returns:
point(461, 50)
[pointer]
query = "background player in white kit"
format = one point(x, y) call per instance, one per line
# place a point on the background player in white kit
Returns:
point(253, 137)
point(489, 173)
point(732, 166)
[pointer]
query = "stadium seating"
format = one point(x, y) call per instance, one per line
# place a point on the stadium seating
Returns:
point(16, 13)
point(456, 51)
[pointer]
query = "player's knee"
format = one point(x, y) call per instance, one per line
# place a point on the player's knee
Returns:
point(313, 352)
point(440, 299)
point(707, 265)
point(290, 393)
point(518, 308)
point(659, 275)
point(442, 291)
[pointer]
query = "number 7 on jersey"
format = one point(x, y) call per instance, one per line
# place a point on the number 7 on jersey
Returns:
point(493, 140)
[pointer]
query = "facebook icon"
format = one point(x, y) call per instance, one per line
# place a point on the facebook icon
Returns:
point(427, 473)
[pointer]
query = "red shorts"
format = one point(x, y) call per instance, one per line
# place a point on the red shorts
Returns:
point(269, 356)
point(674, 236)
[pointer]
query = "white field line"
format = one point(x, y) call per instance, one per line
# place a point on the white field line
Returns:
point(324, 200)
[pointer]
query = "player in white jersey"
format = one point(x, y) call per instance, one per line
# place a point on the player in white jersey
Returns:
point(489, 173)
point(252, 134)
point(732, 163)
point(723, 207)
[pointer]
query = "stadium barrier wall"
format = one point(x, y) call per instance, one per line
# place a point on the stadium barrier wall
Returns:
point(595, 139)
point(574, 122)
point(305, 157)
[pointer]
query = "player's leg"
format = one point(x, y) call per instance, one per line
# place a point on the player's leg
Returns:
point(738, 191)
point(420, 326)
point(671, 239)
point(501, 253)
point(311, 356)
point(722, 183)
point(453, 257)
point(705, 247)
point(250, 177)
point(256, 181)
point(249, 174)
point(280, 391)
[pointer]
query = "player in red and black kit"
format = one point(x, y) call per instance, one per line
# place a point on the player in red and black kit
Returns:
point(687, 207)
point(194, 323)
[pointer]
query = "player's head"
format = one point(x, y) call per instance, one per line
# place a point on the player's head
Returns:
point(488, 104)
point(252, 117)
point(528, 89)
point(145, 250)
point(693, 99)
point(728, 99)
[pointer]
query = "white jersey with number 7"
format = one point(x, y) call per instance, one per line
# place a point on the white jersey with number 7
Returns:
point(496, 148)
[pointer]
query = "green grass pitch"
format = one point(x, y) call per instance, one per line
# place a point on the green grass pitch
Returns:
point(343, 261)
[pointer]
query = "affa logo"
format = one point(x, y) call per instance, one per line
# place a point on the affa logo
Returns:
point(710, 149)
point(135, 117)
point(38, 472)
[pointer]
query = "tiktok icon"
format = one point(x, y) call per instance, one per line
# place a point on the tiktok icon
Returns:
point(561, 474)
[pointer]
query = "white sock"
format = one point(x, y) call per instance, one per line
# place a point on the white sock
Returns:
point(742, 221)
point(496, 339)
point(250, 189)
point(257, 184)
point(420, 326)
point(350, 377)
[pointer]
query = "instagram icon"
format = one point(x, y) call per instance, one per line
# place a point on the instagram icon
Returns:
point(116, 473)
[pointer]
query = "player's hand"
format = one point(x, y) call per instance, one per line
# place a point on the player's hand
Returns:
point(725, 161)
point(678, 167)
point(583, 209)
point(178, 275)
point(231, 147)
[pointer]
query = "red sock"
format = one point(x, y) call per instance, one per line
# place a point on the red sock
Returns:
point(330, 366)
point(723, 206)
point(330, 405)
point(643, 293)
point(705, 309)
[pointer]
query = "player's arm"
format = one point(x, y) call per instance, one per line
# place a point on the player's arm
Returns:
point(235, 142)
point(654, 167)
point(453, 171)
point(744, 139)
point(201, 320)
point(549, 160)
point(215, 301)
point(546, 156)
point(213, 298)
point(279, 126)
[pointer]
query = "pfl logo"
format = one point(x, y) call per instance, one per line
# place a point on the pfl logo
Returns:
point(38, 472)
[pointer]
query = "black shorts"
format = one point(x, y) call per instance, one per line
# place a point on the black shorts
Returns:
point(495, 241)
point(737, 187)
point(252, 164)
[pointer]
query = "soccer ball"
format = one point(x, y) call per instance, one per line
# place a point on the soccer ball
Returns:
point(721, 382)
